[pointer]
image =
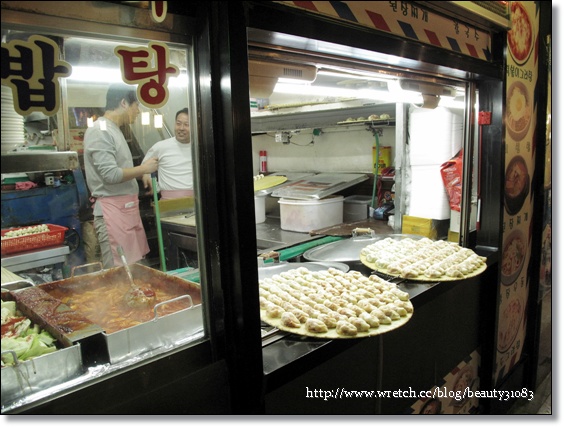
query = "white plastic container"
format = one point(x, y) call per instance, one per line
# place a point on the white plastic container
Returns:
point(435, 135)
point(428, 196)
point(356, 208)
point(308, 215)
point(260, 209)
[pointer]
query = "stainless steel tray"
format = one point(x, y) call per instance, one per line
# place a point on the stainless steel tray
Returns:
point(277, 268)
point(348, 250)
point(292, 176)
point(40, 374)
point(318, 186)
point(165, 331)
point(17, 284)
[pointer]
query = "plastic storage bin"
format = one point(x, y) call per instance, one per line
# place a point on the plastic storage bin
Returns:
point(308, 215)
point(356, 208)
point(260, 209)
point(54, 237)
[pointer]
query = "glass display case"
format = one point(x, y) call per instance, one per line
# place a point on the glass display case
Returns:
point(214, 355)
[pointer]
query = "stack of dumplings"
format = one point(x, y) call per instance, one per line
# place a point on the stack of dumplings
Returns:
point(422, 259)
point(331, 302)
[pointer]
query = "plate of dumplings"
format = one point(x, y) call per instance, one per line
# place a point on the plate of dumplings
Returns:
point(332, 303)
point(422, 259)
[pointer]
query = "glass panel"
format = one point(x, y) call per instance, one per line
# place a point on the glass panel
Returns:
point(400, 130)
point(319, 132)
point(95, 125)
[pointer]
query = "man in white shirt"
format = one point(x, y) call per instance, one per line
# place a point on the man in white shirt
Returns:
point(175, 161)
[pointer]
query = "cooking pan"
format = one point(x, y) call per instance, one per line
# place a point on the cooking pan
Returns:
point(345, 251)
point(128, 332)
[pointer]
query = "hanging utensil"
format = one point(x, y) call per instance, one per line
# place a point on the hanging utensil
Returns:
point(136, 296)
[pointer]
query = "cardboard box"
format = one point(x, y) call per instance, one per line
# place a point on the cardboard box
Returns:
point(432, 228)
point(454, 221)
point(453, 236)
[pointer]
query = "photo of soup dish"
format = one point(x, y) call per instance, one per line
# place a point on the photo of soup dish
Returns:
point(516, 184)
point(520, 37)
point(509, 323)
point(431, 407)
point(519, 110)
point(463, 383)
point(513, 257)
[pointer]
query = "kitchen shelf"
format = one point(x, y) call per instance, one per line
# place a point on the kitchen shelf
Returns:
point(370, 123)
point(300, 118)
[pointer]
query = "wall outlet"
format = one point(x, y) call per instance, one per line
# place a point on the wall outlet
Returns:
point(283, 137)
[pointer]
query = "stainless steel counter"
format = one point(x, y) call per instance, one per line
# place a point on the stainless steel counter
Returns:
point(270, 237)
point(35, 258)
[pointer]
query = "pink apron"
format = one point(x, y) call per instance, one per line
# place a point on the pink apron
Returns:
point(175, 194)
point(125, 228)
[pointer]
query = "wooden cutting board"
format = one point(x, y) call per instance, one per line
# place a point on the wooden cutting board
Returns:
point(269, 181)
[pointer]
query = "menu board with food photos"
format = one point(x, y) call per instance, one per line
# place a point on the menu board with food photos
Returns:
point(520, 120)
point(451, 394)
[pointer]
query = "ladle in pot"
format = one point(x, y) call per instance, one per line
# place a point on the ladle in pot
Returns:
point(135, 296)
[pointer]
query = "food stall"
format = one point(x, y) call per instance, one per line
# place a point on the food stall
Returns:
point(223, 354)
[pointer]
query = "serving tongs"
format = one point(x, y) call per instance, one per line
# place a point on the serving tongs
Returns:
point(136, 296)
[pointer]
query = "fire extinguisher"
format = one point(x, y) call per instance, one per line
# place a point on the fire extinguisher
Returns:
point(263, 167)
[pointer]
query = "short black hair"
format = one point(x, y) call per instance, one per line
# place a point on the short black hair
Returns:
point(117, 92)
point(183, 111)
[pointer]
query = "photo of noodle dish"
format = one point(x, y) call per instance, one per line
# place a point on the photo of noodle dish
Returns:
point(509, 323)
point(519, 110)
point(520, 37)
point(513, 257)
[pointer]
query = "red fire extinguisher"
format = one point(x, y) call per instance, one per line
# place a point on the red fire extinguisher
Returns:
point(263, 167)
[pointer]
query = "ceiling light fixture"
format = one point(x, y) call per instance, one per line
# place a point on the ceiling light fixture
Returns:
point(431, 93)
point(104, 75)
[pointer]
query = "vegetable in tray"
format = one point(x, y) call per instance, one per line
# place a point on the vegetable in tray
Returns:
point(22, 337)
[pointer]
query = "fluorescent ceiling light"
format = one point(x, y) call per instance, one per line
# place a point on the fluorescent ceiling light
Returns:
point(324, 91)
point(346, 76)
point(158, 120)
point(286, 80)
point(307, 89)
point(452, 103)
point(95, 74)
point(394, 94)
point(113, 75)
point(145, 118)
